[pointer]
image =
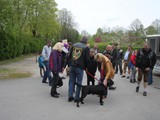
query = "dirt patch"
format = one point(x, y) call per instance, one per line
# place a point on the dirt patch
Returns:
point(21, 69)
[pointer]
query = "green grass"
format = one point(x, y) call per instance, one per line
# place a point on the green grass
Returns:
point(22, 57)
point(13, 74)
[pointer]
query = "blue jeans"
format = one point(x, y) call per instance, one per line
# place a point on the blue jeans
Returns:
point(75, 76)
point(150, 80)
point(47, 73)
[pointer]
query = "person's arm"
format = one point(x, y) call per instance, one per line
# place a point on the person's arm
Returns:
point(44, 53)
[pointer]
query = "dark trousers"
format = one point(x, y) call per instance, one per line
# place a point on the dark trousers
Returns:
point(55, 80)
point(90, 79)
point(119, 64)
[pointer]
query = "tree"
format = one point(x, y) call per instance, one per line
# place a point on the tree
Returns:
point(151, 30)
point(156, 24)
point(68, 25)
point(137, 27)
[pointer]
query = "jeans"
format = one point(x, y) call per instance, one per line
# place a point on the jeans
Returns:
point(47, 73)
point(150, 80)
point(75, 76)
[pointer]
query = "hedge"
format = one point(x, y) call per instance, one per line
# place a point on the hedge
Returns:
point(11, 47)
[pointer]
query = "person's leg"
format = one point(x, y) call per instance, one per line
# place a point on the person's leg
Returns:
point(120, 66)
point(134, 74)
point(131, 75)
point(145, 82)
point(40, 70)
point(54, 85)
point(139, 79)
point(72, 79)
point(88, 79)
point(150, 77)
point(79, 77)
point(45, 74)
point(116, 66)
point(129, 69)
point(124, 69)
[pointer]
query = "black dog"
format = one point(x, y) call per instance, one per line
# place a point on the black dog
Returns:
point(99, 89)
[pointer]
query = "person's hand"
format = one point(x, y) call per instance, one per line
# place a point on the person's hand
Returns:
point(63, 69)
point(147, 69)
point(105, 82)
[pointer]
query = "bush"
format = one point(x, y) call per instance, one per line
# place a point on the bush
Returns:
point(12, 47)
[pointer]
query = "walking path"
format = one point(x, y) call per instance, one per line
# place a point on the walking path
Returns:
point(29, 99)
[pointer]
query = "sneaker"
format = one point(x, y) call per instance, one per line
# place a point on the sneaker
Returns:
point(128, 77)
point(70, 99)
point(144, 93)
point(137, 88)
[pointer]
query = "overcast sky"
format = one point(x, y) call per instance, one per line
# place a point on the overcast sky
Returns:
point(92, 14)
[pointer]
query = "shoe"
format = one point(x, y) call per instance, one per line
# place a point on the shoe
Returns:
point(112, 88)
point(76, 100)
point(128, 77)
point(123, 76)
point(44, 82)
point(130, 80)
point(134, 80)
point(120, 73)
point(70, 99)
point(137, 88)
point(55, 95)
point(144, 93)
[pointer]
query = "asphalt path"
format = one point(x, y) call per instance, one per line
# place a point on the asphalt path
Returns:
point(29, 99)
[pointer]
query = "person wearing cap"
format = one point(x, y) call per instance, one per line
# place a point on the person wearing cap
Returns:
point(56, 66)
point(78, 58)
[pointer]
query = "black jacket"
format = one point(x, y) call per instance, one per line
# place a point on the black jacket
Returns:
point(79, 55)
point(145, 58)
point(92, 65)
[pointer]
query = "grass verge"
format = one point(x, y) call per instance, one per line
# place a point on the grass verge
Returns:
point(22, 57)
point(13, 74)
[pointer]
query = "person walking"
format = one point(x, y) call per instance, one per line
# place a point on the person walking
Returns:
point(78, 57)
point(144, 64)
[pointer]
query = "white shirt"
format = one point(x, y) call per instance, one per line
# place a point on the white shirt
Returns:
point(126, 55)
point(46, 52)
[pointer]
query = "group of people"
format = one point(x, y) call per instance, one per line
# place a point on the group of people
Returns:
point(79, 57)
point(139, 62)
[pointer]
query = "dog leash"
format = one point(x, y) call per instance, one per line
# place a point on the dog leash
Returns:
point(89, 73)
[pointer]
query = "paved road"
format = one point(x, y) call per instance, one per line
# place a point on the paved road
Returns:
point(29, 99)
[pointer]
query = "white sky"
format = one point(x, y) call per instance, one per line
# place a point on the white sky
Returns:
point(92, 14)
